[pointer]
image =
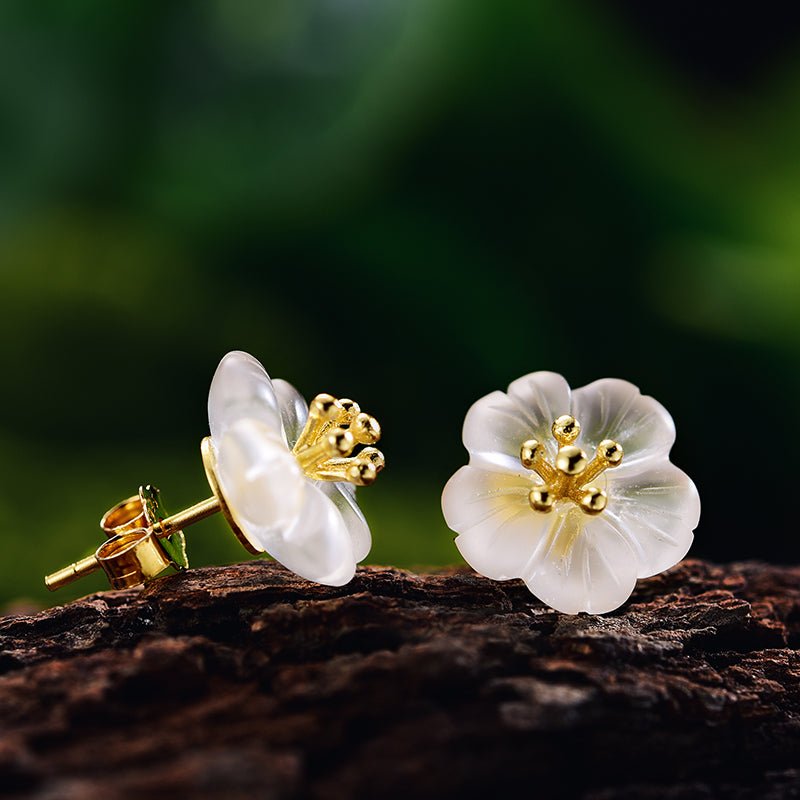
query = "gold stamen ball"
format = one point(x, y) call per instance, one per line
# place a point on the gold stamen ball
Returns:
point(541, 499)
point(594, 500)
point(373, 455)
point(529, 452)
point(350, 410)
point(571, 460)
point(566, 429)
point(325, 406)
point(366, 429)
point(610, 451)
point(341, 442)
point(362, 473)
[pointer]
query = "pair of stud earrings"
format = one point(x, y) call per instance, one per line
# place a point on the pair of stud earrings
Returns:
point(530, 504)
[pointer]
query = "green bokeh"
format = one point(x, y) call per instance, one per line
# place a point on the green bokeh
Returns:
point(410, 203)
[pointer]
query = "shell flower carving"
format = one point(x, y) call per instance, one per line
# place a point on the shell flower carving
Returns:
point(571, 491)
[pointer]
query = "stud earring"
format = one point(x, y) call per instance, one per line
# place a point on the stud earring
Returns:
point(532, 504)
point(283, 474)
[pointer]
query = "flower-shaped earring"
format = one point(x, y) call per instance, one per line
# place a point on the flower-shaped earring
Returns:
point(283, 475)
point(532, 504)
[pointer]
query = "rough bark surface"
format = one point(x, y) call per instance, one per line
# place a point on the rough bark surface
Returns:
point(247, 682)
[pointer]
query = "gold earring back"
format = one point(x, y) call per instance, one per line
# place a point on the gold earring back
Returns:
point(142, 540)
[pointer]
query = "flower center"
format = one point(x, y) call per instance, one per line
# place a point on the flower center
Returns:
point(571, 476)
point(333, 430)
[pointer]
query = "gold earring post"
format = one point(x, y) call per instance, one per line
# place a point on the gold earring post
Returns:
point(189, 516)
point(65, 576)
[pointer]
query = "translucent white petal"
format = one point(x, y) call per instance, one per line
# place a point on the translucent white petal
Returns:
point(293, 409)
point(260, 480)
point(583, 564)
point(319, 546)
point(496, 425)
point(241, 389)
point(347, 488)
point(343, 497)
point(499, 531)
point(615, 409)
point(657, 510)
point(279, 509)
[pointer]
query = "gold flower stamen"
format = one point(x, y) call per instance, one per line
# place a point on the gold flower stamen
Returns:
point(333, 430)
point(571, 476)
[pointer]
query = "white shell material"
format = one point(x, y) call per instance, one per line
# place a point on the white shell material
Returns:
point(570, 560)
point(314, 528)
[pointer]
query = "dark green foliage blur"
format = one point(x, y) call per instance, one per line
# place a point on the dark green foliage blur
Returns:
point(410, 202)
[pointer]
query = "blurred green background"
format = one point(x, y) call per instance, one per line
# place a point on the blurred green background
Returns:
point(410, 202)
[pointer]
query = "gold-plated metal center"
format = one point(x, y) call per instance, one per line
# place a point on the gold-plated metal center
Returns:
point(333, 430)
point(571, 476)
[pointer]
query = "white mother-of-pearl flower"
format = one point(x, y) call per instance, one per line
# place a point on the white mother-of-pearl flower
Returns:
point(571, 560)
point(314, 528)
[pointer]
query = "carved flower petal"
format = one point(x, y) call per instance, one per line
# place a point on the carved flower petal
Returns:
point(279, 509)
point(615, 409)
point(260, 480)
point(343, 497)
point(319, 546)
point(241, 389)
point(583, 564)
point(293, 409)
point(496, 425)
point(498, 530)
point(656, 509)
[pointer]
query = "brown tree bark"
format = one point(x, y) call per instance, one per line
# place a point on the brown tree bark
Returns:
point(247, 682)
